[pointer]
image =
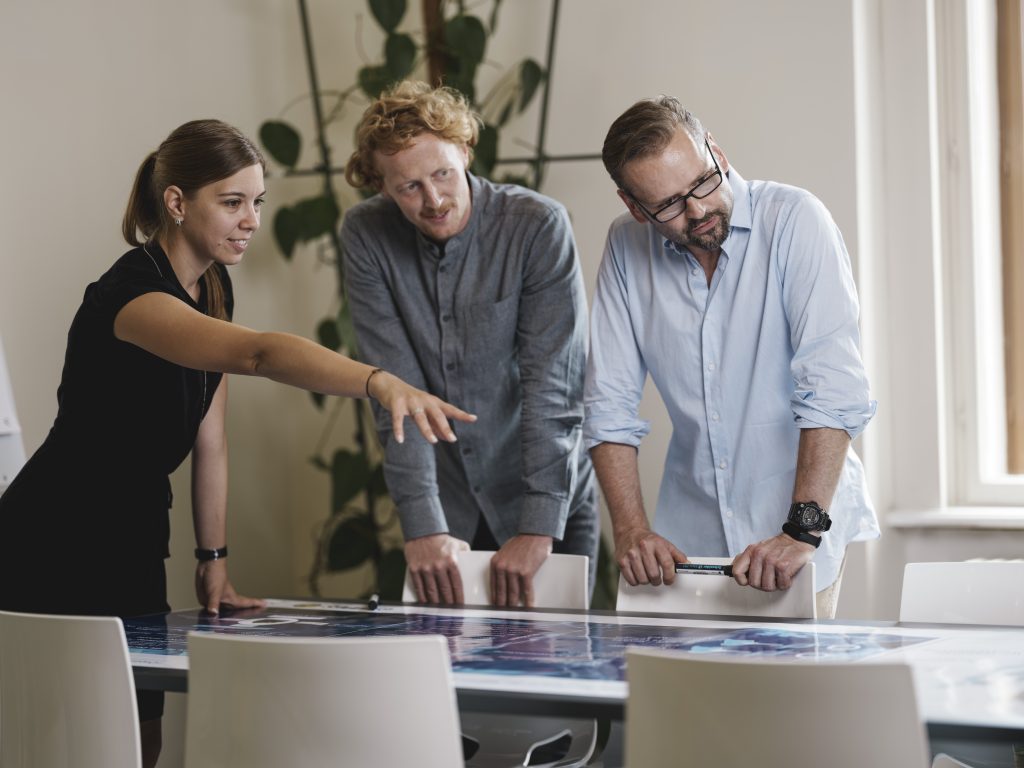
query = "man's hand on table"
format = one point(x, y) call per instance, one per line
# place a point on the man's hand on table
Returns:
point(771, 564)
point(646, 558)
point(514, 566)
point(433, 565)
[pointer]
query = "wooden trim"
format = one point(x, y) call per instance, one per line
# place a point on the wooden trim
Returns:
point(1011, 180)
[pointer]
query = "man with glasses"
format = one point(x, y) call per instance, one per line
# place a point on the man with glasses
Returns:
point(738, 298)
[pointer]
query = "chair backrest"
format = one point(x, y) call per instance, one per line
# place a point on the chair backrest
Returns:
point(969, 592)
point(12, 451)
point(67, 695)
point(506, 740)
point(267, 702)
point(770, 714)
point(561, 582)
point(708, 594)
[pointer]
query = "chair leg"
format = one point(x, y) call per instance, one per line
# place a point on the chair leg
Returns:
point(604, 730)
point(151, 736)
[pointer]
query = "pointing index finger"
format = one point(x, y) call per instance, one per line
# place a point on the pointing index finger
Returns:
point(397, 425)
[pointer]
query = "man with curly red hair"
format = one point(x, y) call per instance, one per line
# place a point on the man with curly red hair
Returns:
point(474, 290)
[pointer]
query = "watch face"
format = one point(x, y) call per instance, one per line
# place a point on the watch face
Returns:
point(809, 516)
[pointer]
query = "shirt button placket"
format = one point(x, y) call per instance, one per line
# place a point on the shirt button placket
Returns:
point(699, 288)
point(446, 318)
point(716, 429)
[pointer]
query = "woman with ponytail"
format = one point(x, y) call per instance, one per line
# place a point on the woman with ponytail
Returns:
point(84, 527)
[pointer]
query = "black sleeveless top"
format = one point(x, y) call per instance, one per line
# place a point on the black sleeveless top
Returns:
point(84, 526)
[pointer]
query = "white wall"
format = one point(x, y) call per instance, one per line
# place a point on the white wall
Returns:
point(833, 96)
point(98, 86)
point(89, 89)
point(788, 118)
point(837, 97)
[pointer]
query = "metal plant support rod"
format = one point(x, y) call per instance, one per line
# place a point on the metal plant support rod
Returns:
point(541, 157)
point(327, 172)
point(542, 129)
point(324, 168)
point(538, 160)
point(500, 161)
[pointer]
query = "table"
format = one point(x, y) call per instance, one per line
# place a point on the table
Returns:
point(969, 680)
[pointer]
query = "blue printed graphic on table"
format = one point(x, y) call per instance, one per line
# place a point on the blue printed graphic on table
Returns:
point(507, 646)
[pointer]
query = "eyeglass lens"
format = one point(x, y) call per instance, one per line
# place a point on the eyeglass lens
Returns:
point(702, 190)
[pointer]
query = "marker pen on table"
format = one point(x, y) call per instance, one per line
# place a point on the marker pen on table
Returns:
point(715, 570)
point(374, 602)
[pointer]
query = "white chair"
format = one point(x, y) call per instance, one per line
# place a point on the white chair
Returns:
point(707, 594)
point(770, 714)
point(12, 451)
point(67, 696)
point(969, 592)
point(267, 702)
point(561, 582)
point(497, 741)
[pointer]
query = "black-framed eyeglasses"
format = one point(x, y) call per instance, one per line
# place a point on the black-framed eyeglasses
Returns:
point(699, 191)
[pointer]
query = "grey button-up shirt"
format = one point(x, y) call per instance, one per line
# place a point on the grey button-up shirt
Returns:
point(494, 322)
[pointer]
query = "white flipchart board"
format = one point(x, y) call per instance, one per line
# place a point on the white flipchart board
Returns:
point(12, 451)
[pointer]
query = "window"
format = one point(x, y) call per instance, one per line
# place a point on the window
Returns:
point(1011, 187)
point(979, 101)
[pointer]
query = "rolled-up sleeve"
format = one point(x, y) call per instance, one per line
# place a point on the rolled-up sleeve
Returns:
point(820, 298)
point(409, 467)
point(615, 367)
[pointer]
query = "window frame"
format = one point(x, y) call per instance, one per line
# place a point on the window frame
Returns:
point(970, 232)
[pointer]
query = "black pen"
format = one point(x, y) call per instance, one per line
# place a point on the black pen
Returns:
point(374, 602)
point(717, 570)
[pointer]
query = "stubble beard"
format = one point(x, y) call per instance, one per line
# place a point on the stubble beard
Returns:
point(708, 241)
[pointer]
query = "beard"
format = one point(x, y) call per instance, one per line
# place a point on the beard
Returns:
point(712, 239)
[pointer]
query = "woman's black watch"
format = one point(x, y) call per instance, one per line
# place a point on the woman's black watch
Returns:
point(205, 555)
point(804, 517)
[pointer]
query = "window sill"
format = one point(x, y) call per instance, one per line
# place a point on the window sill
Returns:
point(986, 518)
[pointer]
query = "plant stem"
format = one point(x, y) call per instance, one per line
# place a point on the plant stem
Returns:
point(542, 131)
point(339, 264)
point(433, 23)
point(321, 139)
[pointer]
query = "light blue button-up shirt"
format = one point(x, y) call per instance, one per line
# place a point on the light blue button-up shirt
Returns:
point(769, 348)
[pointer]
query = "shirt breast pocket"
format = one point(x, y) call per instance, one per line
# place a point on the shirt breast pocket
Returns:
point(491, 330)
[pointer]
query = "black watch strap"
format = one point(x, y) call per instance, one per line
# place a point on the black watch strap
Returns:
point(794, 532)
point(203, 555)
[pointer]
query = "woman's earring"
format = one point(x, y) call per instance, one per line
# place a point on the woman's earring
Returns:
point(178, 222)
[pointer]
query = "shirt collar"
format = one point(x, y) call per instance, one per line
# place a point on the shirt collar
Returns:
point(162, 263)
